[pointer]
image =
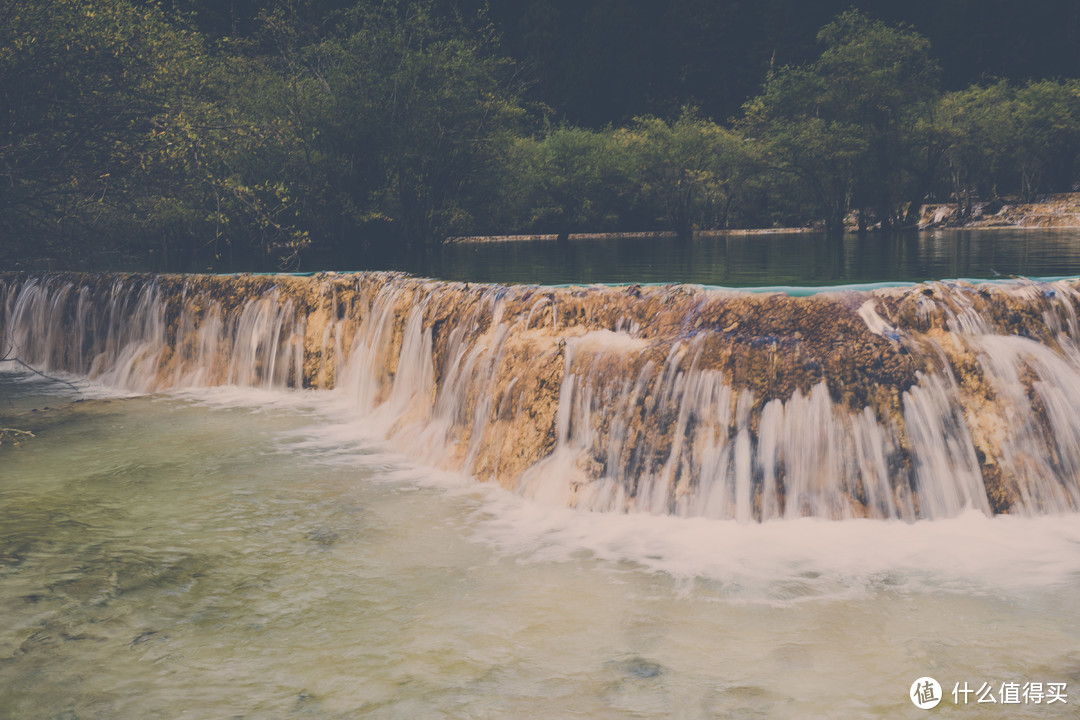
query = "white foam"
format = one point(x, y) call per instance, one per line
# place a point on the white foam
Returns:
point(787, 561)
point(868, 312)
point(608, 340)
point(776, 562)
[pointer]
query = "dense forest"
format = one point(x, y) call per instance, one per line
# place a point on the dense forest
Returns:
point(172, 129)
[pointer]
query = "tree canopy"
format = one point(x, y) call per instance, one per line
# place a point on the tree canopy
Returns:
point(182, 131)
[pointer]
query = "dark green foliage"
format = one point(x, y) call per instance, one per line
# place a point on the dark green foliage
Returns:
point(691, 173)
point(115, 138)
point(400, 114)
point(179, 132)
point(570, 180)
point(1004, 139)
point(846, 123)
point(80, 91)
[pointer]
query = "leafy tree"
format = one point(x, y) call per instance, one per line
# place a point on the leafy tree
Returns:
point(823, 153)
point(883, 80)
point(572, 179)
point(402, 111)
point(1000, 138)
point(447, 116)
point(1046, 117)
point(978, 127)
point(111, 138)
point(844, 123)
point(74, 95)
point(690, 170)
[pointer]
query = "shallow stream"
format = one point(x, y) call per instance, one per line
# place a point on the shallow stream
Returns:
point(250, 554)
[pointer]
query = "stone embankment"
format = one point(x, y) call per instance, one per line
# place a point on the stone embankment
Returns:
point(657, 235)
point(1060, 210)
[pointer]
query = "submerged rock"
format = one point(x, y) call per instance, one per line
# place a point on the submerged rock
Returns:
point(322, 536)
point(637, 667)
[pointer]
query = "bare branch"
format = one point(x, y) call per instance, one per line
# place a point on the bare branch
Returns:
point(13, 435)
point(8, 357)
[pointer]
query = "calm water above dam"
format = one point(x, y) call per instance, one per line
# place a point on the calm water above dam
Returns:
point(803, 259)
point(737, 260)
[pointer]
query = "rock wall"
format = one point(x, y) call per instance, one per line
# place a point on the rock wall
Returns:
point(1052, 211)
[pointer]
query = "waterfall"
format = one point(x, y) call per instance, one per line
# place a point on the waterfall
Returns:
point(907, 403)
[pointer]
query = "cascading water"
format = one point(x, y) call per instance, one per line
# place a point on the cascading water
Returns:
point(898, 403)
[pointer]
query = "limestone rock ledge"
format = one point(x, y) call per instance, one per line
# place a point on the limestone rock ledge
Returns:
point(1051, 211)
point(906, 402)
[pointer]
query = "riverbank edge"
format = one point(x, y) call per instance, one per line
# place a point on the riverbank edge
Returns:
point(1056, 211)
point(649, 235)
